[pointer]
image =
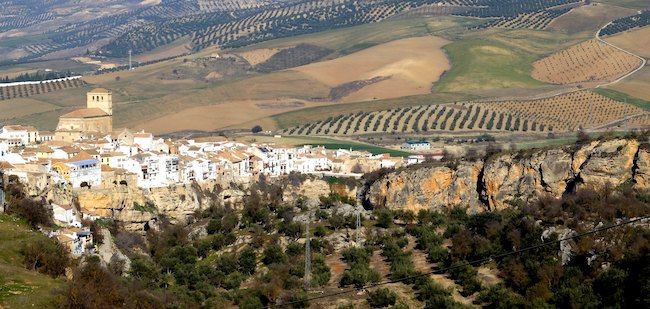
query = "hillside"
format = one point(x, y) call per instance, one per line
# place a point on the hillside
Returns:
point(384, 55)
point(20, 287)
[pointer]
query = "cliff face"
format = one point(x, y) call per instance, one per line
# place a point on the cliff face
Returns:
point(137, 208)
point(492, 184)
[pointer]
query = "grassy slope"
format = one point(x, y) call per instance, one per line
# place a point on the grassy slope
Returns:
point(478, 64)
point(19, 287)
point(500, 58)
point(623, 97)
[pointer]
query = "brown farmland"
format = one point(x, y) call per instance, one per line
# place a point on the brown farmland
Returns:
point(587, 62)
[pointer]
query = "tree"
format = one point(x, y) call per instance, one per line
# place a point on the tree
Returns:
point(384, 218)
point(256, 129)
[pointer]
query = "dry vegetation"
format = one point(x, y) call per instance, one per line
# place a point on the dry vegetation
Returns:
point(588, 18)
point(562, 113)
point(635, 41)
point(412, 64)
point(590, 61)
point(636, 85)
point(257, 56)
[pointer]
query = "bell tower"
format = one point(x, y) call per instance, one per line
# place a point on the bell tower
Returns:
point(100, 98)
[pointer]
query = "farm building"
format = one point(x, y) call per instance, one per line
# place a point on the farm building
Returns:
point(416, 145)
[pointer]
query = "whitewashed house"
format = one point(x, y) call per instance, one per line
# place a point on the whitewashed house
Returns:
point(65, 214)
point(15, 132)
point(143, 140)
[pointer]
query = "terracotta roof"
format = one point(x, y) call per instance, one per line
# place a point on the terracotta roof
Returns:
point(44, 148)
point(86, 113)
point(6, 165)
point(57, 143)
point(16, 127)
point(66, 207)
point(69, 149)
point(99, 90)
point(81, 157)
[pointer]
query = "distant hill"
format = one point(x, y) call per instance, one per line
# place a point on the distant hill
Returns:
point(42, 29)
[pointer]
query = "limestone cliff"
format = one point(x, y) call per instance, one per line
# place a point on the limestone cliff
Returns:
point(496, 182)
point(138, 208)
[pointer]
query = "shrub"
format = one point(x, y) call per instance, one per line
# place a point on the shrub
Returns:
point(382, 298)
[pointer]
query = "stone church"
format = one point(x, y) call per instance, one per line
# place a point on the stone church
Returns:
point(94, 120)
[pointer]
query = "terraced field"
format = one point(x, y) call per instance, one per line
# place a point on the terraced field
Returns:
point(535, 20)
point(21, 91)
point(641, 19)
point(563, 113)
point(590, 61)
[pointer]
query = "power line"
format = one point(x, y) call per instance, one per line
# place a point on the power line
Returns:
point(479, 261)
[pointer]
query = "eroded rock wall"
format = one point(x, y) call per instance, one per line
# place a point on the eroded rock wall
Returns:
point(502, 179)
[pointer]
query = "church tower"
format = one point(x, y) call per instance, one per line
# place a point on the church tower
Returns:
point(100, 98)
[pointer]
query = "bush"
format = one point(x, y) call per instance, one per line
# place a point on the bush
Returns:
point(256, 129)
point(273, 254)
point(382, 298)
point(248, 261)
point(36, 213)
point(233, 280)
point(47, 256)
point(299, 300)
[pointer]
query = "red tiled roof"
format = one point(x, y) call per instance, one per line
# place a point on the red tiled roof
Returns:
point(86, 113)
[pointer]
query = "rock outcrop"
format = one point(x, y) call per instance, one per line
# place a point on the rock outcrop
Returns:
point(506, 178)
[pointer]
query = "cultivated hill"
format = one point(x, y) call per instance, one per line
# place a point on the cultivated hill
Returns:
point(563, 113)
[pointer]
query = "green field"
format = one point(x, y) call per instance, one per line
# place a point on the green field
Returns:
point(480, 64)
point(19, 287)
point(623, 97)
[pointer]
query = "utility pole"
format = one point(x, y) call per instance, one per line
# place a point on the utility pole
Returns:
point(130, 66)
point(589, 117)
point(2, 192)
point(307, 256)
point(358, 227)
